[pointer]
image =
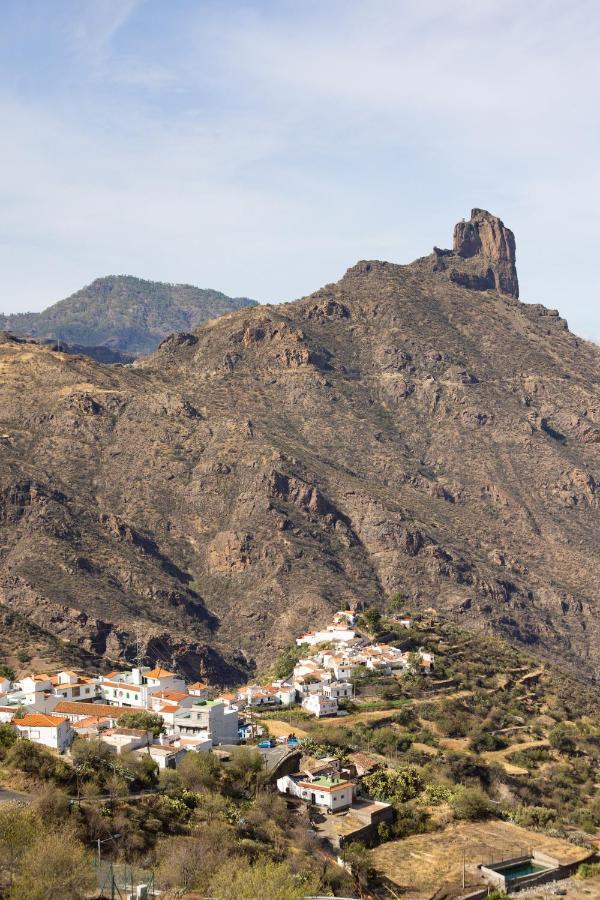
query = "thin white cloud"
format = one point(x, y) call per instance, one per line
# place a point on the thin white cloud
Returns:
point(262, 148)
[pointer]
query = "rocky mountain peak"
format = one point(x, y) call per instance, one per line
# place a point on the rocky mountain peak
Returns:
point(483, 255)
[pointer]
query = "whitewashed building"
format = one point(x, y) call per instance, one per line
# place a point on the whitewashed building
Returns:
point(320, 705)
point(330, 792)
point(51, 731)
point(210, 719)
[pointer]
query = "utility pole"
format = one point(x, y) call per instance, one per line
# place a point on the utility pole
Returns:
point(138, 646)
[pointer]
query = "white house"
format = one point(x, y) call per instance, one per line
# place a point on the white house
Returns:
point(51, 731)
point(210, 719)
point(320, 705)
point(32, 689)
point(426, 661)
point(171, 698)
point(338, 689)
point(76, 710)
point(286, 694)
point(166, 756)
point(341, 667)
point(134, 688)
point(121, 739)
point(199, 689)
point(71, 686)
point(334, 633)
point(344, 617)
point(331, 792)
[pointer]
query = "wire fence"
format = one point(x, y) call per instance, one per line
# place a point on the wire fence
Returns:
point(120, 881)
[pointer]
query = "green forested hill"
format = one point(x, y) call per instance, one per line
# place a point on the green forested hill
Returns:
point(124, 313)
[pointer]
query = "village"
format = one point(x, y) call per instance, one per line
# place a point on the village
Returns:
point(53, 709)
point(153, 713)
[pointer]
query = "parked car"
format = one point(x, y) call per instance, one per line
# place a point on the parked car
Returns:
point(266, 745)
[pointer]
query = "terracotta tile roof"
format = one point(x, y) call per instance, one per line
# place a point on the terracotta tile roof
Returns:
point(39, 720)
point(171, 695)
point(198, 686)
point(123, 685)
point(90, 722)
point(159, 673)
point(81, 708)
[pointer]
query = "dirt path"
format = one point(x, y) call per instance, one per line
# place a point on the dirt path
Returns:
point(375, 715)
point(499, 756)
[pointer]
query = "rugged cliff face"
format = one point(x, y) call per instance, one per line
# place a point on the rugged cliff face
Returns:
point(395, 431)
point(483, 257)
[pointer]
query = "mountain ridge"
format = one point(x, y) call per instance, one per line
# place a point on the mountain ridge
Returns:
point(393, 432)
point(128, 315)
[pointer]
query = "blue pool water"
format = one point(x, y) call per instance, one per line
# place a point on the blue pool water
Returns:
point(520, 870)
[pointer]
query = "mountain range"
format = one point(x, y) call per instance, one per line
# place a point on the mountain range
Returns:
point(116, 318)
point(411, 430)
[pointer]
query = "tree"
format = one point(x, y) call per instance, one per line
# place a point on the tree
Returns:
point(19, 827)
point(356, 856)
point(7, 672)
point(190, 862)
point(471, 804)
point(146, 721)
point(285, 662)
point(51, 804)
point(561, 740)
point(244, 773)
point(267, 880)
point(200, 771)
point(394, 785)
point(372, 619)
point(55, 867)
point(8, 737)
point(396, 602)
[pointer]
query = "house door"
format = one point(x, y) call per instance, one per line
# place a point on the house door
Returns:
point(313, 798)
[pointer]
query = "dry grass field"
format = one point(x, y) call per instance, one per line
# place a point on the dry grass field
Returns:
point(419, 865)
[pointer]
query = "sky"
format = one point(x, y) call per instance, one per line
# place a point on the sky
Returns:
point(263, 147)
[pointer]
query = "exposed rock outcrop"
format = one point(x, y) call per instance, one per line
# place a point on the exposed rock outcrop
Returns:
point(394, 431)
point(483, 257)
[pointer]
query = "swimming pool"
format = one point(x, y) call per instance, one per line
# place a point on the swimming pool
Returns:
point(520, 870)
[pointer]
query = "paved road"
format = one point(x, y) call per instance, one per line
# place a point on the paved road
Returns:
point(274, 756)
point(6, 796)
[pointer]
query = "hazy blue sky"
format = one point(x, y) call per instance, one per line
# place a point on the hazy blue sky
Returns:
point(263, 147)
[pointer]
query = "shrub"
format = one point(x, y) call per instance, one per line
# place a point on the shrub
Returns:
point(55, 867)
point(561, 740)
point(486, 741)
point(38, 762)
point(588, 870)
point(146, 721)
point(200, 771)
point(436, 794)
point(394, 785)
point(471, 804)
point(271, 880)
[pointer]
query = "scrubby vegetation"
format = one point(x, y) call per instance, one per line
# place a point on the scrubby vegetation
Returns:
point(489, 735)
